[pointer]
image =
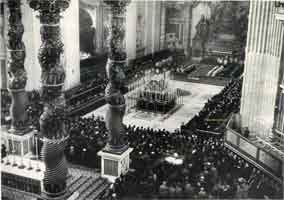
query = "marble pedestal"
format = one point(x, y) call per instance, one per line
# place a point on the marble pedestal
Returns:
point(113, 165)
point(21, 144)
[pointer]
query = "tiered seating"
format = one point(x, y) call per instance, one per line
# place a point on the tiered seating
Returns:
point(90, 67)
point(218, 108)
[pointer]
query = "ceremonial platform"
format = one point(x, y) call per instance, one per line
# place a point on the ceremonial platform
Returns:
point(194, 97)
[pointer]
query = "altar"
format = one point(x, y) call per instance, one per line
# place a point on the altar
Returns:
point(156, 97)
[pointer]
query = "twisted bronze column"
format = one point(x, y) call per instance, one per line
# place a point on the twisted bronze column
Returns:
point(52, 127)
point(17, 77)
point(114, 69)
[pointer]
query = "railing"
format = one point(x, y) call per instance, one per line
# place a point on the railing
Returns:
point(260, 153)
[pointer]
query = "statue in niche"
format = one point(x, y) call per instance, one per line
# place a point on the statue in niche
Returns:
point(202, 33)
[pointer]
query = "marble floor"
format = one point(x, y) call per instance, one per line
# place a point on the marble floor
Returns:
point(196, 95)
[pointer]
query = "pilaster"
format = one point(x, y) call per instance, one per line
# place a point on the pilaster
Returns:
point(163, 25)
point(70, 38)
point(3, 83)
point(131, 24)
point(262, 64)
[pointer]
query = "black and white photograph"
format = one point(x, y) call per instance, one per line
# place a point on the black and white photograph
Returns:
point(142, 99)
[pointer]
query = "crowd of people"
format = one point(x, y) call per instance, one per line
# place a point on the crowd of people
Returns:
point(218, 108)
point(166, 164)
point(86, 137)
point(207, 169)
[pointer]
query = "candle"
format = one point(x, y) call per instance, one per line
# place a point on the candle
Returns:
point(36, 148)
point(13, 149)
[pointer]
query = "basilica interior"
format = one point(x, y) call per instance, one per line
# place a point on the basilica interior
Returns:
point(138, 99)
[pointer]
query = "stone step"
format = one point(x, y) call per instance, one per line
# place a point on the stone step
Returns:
point(91, 189)
point(85, 186)
point(73, 181)
point(79, 184)
point(101, 190)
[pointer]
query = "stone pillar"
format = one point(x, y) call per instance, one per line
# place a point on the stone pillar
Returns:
point(163, 25)
point(52, 128)
point(99, 28)
point(262, 63)
point(156, 19)
point(150, 9)
point(2, 49)
point(186, 31)
point(116, 150)
point(17, 78)
point(31, 39)
point(131, 19)
point(70, 37)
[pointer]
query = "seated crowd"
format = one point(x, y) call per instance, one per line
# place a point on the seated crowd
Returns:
point(170, 164)
point(86, 137)
point(208, 169)
point(218, 108)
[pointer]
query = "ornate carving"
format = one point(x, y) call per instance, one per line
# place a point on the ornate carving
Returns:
point(114, 68)
point(17, 75)
point(52, 126)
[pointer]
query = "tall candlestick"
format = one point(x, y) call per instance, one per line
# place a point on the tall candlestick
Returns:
point(14, 153)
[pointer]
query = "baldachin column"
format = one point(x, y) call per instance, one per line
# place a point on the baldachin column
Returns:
point(17, 77)
point(52, 128)
point(114, 69)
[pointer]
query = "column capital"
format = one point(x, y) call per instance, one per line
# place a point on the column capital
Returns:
point(118, 6)
point(49, 10)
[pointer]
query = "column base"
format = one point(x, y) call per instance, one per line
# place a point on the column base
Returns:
point(58, 196)
point(113, 164)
